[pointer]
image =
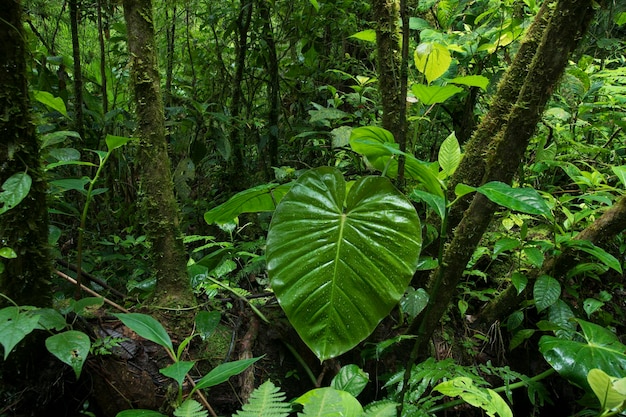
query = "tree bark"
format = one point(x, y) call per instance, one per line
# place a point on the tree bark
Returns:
point(23, 228)
point(503, 155)
point(159, 205)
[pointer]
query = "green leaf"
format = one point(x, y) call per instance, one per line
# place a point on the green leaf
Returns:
point(574, 360)
point(267, 401)
point(484, 398)
point(50, 319)
point(57, 137)
point(591, 305)
point(435, 202)
point(504, 245)
point(384, 408)
point(114, 142)
point(146, 327)
point(315, 4)
point(15, 189)
point(351, 379)
point(207, 322)
point(378, 146)
point(222, 372)
point(67, 184)
point(15, 326)
point(177, 370)
point(71, 347)
point(79, 307)
point(7, 253)
point(325, 402)
point(414, 301)
point(546, 292)
point(519, 337)
point(190, 408)
point(593, 250)
point(534, 255)
point(432, 60)
point(525, 200)
point(620, 171)
point(253, 200)
point(519, 281)
point(368, 35)
point(433, 94)
point(472, 81)
point(602, 386)
point(339, 263)
point(449, 155)
point(55, 103)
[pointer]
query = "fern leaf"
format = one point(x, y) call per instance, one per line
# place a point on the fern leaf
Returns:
point(190, 408)
point(267, 401)
point(383, 408)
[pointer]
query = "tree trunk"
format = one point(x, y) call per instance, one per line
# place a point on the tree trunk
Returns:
point(159, 205)
point(273, 85)
point(503, 155)
point(23, 228)
point(79, 123)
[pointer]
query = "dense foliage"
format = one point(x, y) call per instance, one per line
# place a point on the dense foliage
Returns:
point(318, 244)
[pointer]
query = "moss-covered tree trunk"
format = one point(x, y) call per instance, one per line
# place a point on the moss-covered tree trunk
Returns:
point(23, 228)
point(521, 112)
point(160, 209)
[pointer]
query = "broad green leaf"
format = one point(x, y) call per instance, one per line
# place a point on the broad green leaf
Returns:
point(14, 190)
point(593, 250)
point(471, 81)
point(71, 347)
point(432, 60)
point(534, 255)
point(146, 327)
point(378, 146)
point(64, 154)
point(339, 263)
point(315, 5)
point(591, 305)
point(57, 137)
point(484, 398)
point(545, 292)
point(435, 202)
point(50, 319)
point(519, 337)
point(351, 379)
point(67, 184)
point(519, 281)
point(620, 171)
point(325, 402)
point(114, 142)
point(449, 155)
point(368, 35)
point(222, 372)
point(256, 199)
point(525, 200)
point(414, 301)
point(433, 94)
point(563, 316)
point(504, 245)
point(55, 103)
point(384, 408)
point(79, 307)
point(139, 413)
point(463, 189)
point(7, 253)
point(177, 370)
point(602, 386)
point(15, 326)
point(574, 360)
point(207, 322)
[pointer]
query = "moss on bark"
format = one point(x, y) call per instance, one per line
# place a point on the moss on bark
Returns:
point(159, 205)
point(24, 228)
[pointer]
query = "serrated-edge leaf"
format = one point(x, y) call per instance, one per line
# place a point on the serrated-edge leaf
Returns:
point(266, 400)
point(190, 408)
point(146, 327)
point(546, 292)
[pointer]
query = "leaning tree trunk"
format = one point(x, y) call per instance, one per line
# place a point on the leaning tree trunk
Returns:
point(23, 228)
point(568, 22)
point(159, 205)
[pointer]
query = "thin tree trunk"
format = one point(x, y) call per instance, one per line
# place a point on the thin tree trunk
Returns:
point(241, 48)
point(79, 123)
point(273, 85)
point(103, 66)
point(24, 228)
point(169, 69)
point(569, 21)
point(159, 205)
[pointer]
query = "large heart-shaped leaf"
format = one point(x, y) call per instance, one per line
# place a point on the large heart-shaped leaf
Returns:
point(338, 264)
point(573, 359)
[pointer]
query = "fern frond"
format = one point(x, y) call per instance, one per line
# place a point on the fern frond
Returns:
point(267, 401)
point(384, 408)
point(190, 408)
